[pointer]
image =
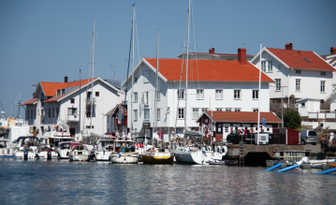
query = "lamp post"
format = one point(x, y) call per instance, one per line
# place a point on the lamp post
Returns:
point(282, 105)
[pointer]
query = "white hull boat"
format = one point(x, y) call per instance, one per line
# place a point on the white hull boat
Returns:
point(79, 153)
point(124, 152)
point(6, 150)
point(64, 149)
point(26, 148)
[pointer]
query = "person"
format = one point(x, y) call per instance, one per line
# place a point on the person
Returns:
point(324, 143)
point(123, 147)
point(129, 135)
point(331, 137)
point(213, 143)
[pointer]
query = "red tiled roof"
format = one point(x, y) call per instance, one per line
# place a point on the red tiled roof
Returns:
point(297, 59)
point(209, 70)
point(30, 102)
point(50, 88)
point(243, 117)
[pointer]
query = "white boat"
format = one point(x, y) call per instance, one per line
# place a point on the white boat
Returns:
point(26, 148)
point(79, 152)
point(64, 148)
point(6, 148)
point(104, 149)
point(124, 152)
point(46, 152)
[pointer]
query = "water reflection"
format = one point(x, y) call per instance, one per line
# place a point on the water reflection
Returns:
point(63, 182)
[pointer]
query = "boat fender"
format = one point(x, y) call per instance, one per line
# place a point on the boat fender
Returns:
point(67, 154)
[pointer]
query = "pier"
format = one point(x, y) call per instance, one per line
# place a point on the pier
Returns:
point(256, 155)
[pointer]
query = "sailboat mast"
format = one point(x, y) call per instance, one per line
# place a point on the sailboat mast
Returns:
point(93, 52)
point(157, 83)
point(186, 90)
point(259, 93)
point(131, 111)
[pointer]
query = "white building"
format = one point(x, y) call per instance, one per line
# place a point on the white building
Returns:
point(331, 58)
point(222, 85)
point(300, 75)
point(71, 102)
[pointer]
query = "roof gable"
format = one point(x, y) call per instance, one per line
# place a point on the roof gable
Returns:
point(208, 70)
point(301, 59)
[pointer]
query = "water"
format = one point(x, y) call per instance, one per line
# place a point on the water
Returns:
point(64, 182)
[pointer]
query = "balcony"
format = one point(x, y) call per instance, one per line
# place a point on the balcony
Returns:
point(73, 118)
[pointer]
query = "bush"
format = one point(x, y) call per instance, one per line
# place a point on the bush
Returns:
point(292, 119)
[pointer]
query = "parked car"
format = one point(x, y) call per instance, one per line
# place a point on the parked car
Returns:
point(308, 136)
point(235, 137)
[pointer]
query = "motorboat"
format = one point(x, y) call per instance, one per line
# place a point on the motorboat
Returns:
point(79, 153)
point(124, 152)
point(64, 148)
point(46, 152)
point(6, 148)
point(26, 148)
point(104, 149)
point(157, 156)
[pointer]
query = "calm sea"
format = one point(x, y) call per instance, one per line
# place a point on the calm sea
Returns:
point(64, 182)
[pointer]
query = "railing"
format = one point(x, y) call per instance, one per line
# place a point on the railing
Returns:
point(321, 115)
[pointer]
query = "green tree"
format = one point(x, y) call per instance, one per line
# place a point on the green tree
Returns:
point(292, 119)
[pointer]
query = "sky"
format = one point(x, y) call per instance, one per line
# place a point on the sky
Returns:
point(47, 40)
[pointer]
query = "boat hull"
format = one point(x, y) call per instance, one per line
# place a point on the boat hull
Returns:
point(102, 156)
point(47, 155)
point(157, 158)
point(124, 158)
point(79, 157)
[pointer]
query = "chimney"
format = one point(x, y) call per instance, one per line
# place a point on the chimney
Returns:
point(212, 50)
point(66, 79)
point(332, 50)
point(289, 46)
point(242, 55)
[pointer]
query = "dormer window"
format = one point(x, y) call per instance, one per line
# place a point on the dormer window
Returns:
point(307, 60)
point(298, 71)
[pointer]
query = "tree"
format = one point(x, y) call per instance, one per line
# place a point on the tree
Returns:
point(292, 119)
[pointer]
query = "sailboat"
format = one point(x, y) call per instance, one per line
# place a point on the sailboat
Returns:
point(193, 153)
point(155, 155)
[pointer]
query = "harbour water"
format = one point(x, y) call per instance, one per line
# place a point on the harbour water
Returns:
point(64, 182)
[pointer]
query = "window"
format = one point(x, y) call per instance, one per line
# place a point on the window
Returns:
point(270, 66)
point(297, 84)
point(97, 94)
point(228, 109)
point(204, 109)
point(277, 84)
point(158, 114)
point(303, 105)
point(219, 109)
point(307, 60)
point(219, 128)
point(200, 94)
point(263, 66)
point(146, 76)
point(146, 98)
point(53, 112)
point(135, 97)
point(49, 112)
point(135, 115)
point(72, 111)
point(146, 115)
point(158, 95)
point(195, 113)
point(298, 71)
point(322, 86)
point(135, 79)
point(323, 73)
point(180, 93)
point(27, 114)
point(72, 100)
point(236, 94)
point(237, 109)
point(181, 113)
point(255, 94)
point(219, 94)
point(255, 109)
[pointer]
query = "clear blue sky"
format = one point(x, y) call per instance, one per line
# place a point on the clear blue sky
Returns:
point(47, 40)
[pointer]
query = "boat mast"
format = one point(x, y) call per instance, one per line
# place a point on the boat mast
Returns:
point(131, 110)
point(92, 61)
point(157, 83)
point(259, 95)
point(186, 90)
